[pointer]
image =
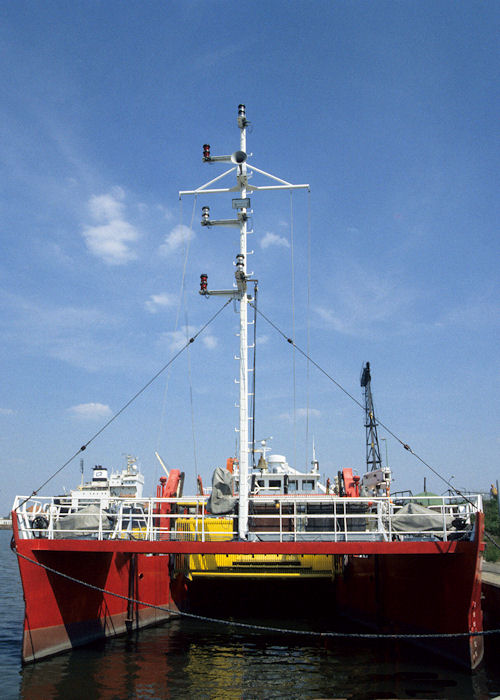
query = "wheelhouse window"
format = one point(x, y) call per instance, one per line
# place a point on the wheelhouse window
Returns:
point(308, 485)
point(292, 485)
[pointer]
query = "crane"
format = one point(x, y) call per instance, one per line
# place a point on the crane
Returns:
point(373, 460)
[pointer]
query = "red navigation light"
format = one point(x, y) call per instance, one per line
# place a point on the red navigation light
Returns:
point(203, 283)
point(206, 151)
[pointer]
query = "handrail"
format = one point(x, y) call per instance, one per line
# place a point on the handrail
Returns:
point(280, 518)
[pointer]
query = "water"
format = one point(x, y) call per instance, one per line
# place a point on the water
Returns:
point(187, 659)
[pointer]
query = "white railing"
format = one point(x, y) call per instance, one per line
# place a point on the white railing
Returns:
point(282, 518)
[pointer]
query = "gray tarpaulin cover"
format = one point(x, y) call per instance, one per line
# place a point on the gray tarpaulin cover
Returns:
point(85, 519)
point(416, 518)
point(221, 499)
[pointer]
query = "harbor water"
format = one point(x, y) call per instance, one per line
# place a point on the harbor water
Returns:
point(192, 659)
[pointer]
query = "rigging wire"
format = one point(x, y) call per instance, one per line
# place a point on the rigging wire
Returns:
point(491, 539)
point(308, 341)
point(129, 402)
point(292, 264)
point(403, 444)
point(193, 431)
point(256, 288)
point(183, 288)
point(179, 307)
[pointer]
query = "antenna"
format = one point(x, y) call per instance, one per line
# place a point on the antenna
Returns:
point(314, 461)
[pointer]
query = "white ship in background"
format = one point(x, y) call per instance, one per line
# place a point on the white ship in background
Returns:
point(128, 483)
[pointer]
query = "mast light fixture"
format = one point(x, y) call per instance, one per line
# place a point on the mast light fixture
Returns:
point(205, 216)
point(242, 116)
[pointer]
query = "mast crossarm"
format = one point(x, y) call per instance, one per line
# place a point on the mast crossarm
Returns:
point(202, 188)
point(222, 222)
point(288, 185)
point(254, 188)
point(212, 191)
point(236, 294)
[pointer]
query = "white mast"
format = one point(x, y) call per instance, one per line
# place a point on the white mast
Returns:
point(241, 270)
point(242, 205)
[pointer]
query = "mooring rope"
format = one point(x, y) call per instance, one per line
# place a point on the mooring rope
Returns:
point(260, 628)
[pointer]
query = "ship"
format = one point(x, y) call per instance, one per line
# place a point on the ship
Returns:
point(265, 533)
point(127, 483)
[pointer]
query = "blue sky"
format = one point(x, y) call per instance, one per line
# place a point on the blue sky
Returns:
point(388, 109)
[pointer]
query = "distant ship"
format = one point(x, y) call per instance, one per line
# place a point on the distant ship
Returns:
point(265, 532)
point(104, 488)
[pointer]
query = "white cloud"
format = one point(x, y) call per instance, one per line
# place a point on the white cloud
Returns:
point(179, 236)
point(57, 254)
point(90, 411)
point(300, 413)
point(167, 213)
point(364, 303)
point(110, 242)
point(107, 207)
point(83, 337)
point(177, 339)
point(111, 238)
point(6, 412)
point(333, 320)
point(471, 314)
point(210, 341)
point(158, 302)
point(272, 239)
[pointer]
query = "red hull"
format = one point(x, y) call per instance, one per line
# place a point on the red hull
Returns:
point(396, 586)
point(420, 594)
point(61, 614)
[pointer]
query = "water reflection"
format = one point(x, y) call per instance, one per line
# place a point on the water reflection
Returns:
point(188, 659)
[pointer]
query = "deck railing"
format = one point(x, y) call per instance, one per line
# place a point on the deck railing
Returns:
point(291, 518)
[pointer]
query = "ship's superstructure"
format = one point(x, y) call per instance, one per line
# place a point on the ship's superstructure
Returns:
point(127, 483)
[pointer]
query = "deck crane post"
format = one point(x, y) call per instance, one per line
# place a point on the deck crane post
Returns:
point(373, 460)
point(377, 478)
